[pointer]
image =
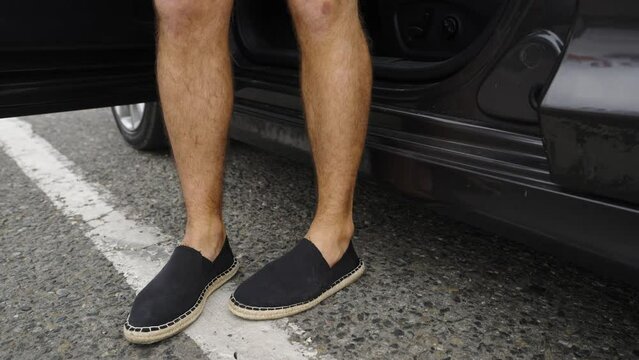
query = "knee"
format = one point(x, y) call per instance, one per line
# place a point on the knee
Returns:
point(174, 10)
point(180, 14)
point(317, 15)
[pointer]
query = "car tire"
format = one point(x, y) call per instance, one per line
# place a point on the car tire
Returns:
point(141, 125)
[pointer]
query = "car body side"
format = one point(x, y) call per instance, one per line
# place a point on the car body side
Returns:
point(536, 137)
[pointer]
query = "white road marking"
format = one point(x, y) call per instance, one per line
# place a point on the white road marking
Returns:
point(138, 251)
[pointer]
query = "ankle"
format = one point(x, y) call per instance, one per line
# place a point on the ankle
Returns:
point(207, 238)
point(331, 236)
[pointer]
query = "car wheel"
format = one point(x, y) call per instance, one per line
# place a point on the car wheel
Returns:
point(141, 125)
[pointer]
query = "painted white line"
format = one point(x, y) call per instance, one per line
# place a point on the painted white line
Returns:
point(138, 251)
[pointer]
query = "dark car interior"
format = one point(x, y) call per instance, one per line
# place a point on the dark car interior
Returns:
point(409, 39)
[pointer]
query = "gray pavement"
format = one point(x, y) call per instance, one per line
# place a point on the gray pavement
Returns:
point(434, 288)
point(59, 297)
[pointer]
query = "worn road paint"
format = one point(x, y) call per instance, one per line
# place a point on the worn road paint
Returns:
point(138, 251)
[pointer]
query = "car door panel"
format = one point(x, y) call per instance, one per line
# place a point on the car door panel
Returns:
point(75, 54)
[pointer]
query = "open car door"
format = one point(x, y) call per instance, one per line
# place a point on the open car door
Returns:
point(73, 54)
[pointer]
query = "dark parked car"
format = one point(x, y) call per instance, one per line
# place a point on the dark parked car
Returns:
point(521, 115)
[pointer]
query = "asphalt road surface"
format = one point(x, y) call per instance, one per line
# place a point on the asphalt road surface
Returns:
point(434, 288)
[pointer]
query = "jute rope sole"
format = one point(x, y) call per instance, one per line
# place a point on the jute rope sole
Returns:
point(271, 314)
point(150, 337)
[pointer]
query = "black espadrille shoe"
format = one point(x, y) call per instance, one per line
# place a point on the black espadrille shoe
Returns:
point(295, 282)
point(176, 296)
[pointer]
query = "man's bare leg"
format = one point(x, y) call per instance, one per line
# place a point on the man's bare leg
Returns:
point(195, 82)
point(194, 77)
point(336, 86)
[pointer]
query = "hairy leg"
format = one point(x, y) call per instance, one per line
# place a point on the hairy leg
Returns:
point(336, 87)
point(196, 91)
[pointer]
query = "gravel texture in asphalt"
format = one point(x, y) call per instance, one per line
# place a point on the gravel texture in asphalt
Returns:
point(434, 288)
